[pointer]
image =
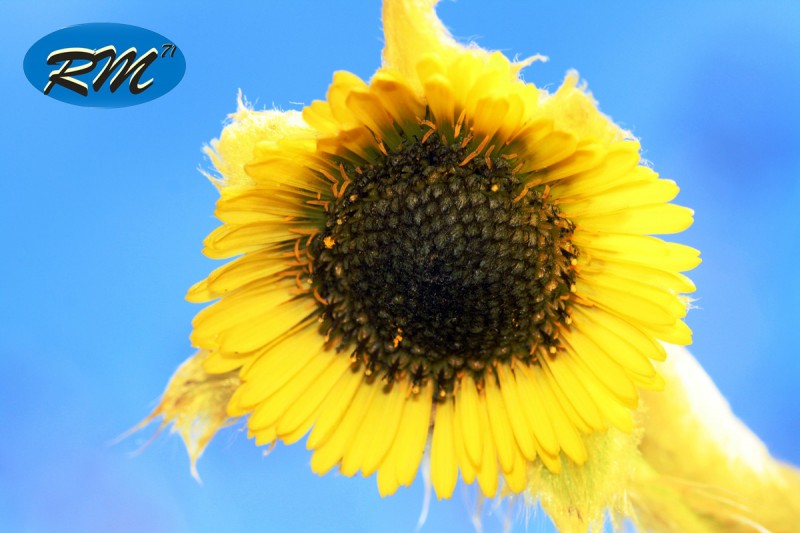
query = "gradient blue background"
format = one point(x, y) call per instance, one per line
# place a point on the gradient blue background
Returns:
point(104, 212)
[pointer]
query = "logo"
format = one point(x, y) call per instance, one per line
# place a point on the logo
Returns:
point(104, 65)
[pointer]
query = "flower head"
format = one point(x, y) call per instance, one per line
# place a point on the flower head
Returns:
point(444, 255)
point(444, 249)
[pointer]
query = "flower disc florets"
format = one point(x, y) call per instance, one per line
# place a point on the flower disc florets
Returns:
point(433, 264)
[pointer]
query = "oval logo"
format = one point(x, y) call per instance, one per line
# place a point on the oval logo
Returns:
point(104, 65)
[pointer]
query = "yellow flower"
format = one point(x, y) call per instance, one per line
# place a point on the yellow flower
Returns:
point(443, 250)
point(444, 257)
point(444, 243)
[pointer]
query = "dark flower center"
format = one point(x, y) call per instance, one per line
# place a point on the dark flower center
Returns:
point(433, 266)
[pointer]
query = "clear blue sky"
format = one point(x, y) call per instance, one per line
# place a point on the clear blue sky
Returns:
point(104, 212)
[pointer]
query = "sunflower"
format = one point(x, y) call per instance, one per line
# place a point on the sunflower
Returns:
point(442, 256)
point(447, 260)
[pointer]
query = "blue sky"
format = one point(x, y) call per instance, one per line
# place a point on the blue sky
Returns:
point(105, 211)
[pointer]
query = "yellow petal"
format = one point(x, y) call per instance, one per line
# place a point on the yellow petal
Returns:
point(359, 445)
point(665, 279)
point(236, 145)
point(465, 465)
point(327, 455)
point(402, 462)
point(281, 365)
point(517, 416)
point(444, 470)
point(262, 330)
point(627, 346)
point(235, 274)
point(582, 160)
point(574, 395)
point(652, 307)
point(342, 86)
point(488, 472)
point(676, 333)
point(332, 411)
point(638, 249)
point(517, 477)
point(234, 239)
point(467, 412)
point(440, 100)
point(412, 30)
point(568, 438)
point(621, 161)
point(648, 219)
point(274, 401)
point(623, 197)
point(609, 405)
point(266, 204)
point(299, 412)
point(392, 417)
point(369, 110)
point(537, 411)
point(412, 435)
point(612, 375)
point(500, 426)
point(399, 100)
